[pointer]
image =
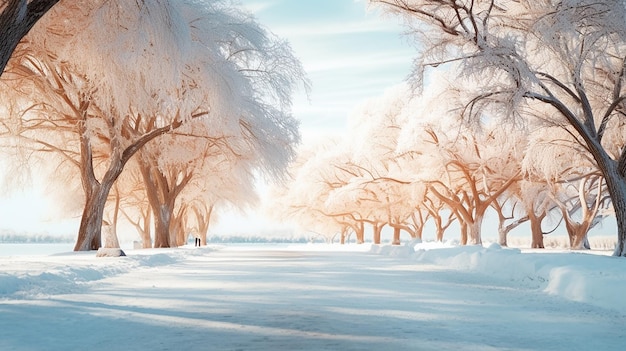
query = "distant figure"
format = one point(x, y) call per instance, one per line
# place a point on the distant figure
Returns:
point(198, 242)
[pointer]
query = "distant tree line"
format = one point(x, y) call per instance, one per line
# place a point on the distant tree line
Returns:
point(414, 159)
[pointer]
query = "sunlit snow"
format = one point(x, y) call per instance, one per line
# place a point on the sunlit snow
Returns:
point(314, 297)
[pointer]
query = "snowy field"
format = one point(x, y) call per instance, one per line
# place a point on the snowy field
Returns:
point(314, 297)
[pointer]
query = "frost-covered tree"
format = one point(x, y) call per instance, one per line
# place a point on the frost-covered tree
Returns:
point(72, 59)
point(477, 169)
point(567, 55)
point(125, 73)
point(263, 135)
point(506, 221)
point(441, 217)
point(570, 178)
point(393, 198)
point(302, 200)
point(464, 167)
point(581, 206)
point(186, 176)
point(530, 203)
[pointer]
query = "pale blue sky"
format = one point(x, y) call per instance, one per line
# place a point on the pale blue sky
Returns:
point(349, 52)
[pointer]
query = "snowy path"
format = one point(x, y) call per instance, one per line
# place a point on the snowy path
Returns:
point(264, 299)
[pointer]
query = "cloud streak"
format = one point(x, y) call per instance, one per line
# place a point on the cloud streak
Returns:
point(328, 28)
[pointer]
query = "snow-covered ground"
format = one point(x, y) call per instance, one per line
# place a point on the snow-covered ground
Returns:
point(314, 297)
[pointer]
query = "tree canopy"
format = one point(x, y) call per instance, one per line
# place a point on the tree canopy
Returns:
point(564, 57)
point(180, 81)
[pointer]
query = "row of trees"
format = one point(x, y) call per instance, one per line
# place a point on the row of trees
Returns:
point(412, 159)
point(562, 62)
point(161, 109)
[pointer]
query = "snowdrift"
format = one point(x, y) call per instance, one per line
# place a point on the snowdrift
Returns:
point(593, 277)
point(590, 278)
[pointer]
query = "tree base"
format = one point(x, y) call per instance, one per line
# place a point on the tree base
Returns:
point(110, 252)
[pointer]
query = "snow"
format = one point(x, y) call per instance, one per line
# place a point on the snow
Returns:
point(418, 296)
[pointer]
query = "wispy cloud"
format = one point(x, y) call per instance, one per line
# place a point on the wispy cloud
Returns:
point(373, 61)
point(350, 53)
point(333, 28)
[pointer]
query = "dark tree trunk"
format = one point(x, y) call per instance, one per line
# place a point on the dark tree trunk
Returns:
point(96, 193)
point(14, 27)
point(162, 216)
point(616, 185)
point(90, 230)
point(161, 210)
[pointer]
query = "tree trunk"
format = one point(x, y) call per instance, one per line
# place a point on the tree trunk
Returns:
point(90, 230)
point(504, 230)
point(419, 232)
point(178, 229)
point(146, 240)
point(359, 231)
point(142, 229)
point(343, 235)
point(160, 209)
point(396, 236)
point(537, 234)
point(577, 236)
point(535, 229)
point(377, 229)
point(438, 228)
point(502, 236)
point(577, 232)
point(110, 229)
point(616, 185)
point(475, 231)
point(110, 237)
point(145, 233)
point(463, 232)
point(162, 216)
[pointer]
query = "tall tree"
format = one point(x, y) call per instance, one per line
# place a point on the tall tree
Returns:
point(568, 55)
point(125, 73)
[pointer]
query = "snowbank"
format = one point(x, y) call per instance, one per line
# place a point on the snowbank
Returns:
point(594, 278)
point(28, 277)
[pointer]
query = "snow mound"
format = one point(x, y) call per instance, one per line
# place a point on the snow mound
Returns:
point(51, 282)
point(72, 272)
point(584, 277)
point(155, 260)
